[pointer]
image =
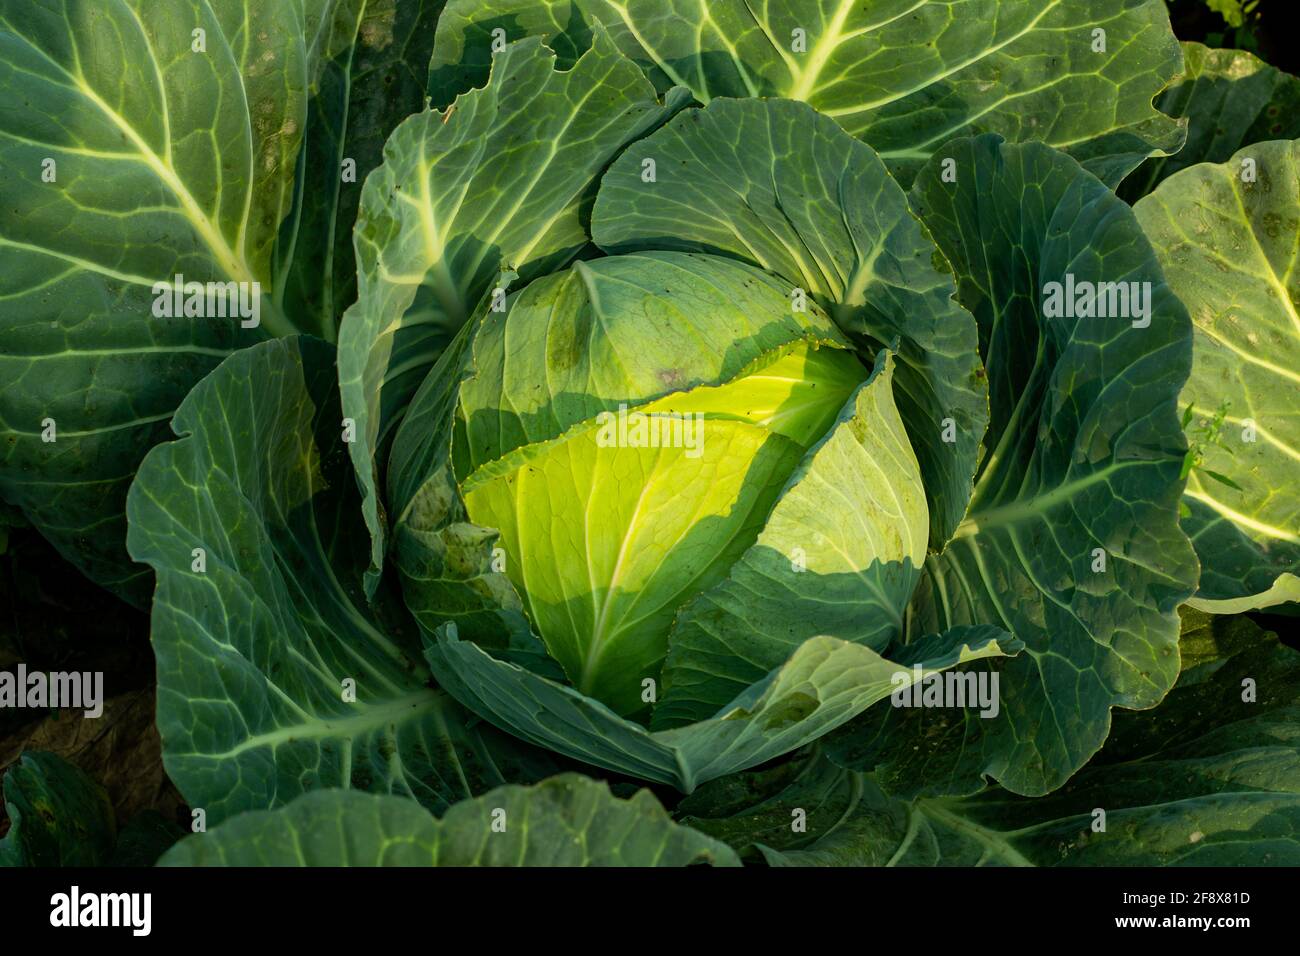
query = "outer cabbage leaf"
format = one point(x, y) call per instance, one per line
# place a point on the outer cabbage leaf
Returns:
point(786, 805)
point(58, 816)
point(171, 134)
point(1229, 248)
point(826, 682)
point(370, 66)
point(500, 181)
point(445, 562)
point(255, 646)
point(904, 76)
point(1209, 778)
point(1285, 590)
point(1230, 99)
point(1072, 541)
point(568, 820)
point(775, 184)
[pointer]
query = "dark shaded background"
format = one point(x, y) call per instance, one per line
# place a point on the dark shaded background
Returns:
point(1262, 31)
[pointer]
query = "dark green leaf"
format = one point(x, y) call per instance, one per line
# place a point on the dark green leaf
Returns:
point(566, 821)
point(501, 182)
point(144, 839)
point(254, 650)
point(904, 76)
point(58, 816)
point(1209, 778)
point(220, 163)
point(1072, 541)
point(1230, 99)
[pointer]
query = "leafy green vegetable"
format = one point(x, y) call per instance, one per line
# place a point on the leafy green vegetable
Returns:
point(500, 405)
point(58, 816)
point(607, 538)
point(903, 76)
point(831, 221)
point(1071, 541)
point(274, 675)
point(1226, 236)
point(1230, 99)
point(628, 530)
point(158, 141)
point(144, 839)
point(498, 183)
point(825, 682)
point(565, 821)
point(1211, 778)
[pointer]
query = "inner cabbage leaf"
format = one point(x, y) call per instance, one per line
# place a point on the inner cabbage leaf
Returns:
point(610, 528)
